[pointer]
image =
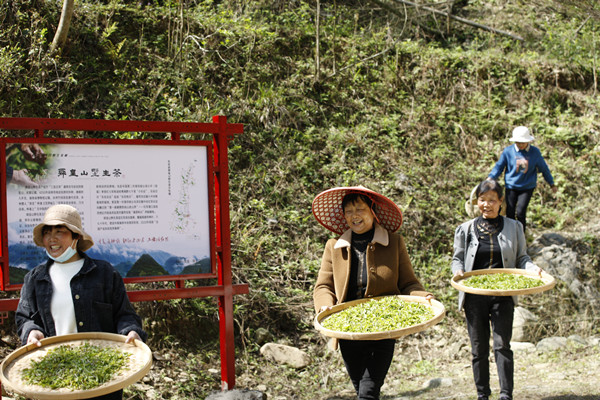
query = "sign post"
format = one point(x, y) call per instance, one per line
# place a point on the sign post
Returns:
point(158, 209)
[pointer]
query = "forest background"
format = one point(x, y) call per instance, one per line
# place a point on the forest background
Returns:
point(409, 103)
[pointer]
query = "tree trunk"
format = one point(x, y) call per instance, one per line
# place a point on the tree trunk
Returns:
point(318, 43)
point(63, 26)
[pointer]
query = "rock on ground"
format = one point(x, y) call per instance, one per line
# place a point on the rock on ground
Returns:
point(283, 354)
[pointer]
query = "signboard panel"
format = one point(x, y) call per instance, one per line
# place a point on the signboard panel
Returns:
point(181, 189)
point(147, 207)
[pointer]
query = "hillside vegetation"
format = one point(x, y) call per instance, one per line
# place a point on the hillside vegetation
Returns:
point(414, 106)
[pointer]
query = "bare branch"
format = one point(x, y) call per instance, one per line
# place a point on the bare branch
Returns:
point(460, 19)
point(361, 61)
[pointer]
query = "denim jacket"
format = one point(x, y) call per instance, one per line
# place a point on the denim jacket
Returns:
point(99, 296)
point(513, 248)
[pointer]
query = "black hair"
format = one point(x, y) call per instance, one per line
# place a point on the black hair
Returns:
point(47, 228)
point(353, 197)
point(490, 185)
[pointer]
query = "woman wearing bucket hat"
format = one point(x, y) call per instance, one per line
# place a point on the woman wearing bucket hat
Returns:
point(522, 162)
point(72, 292)
point(367, 260)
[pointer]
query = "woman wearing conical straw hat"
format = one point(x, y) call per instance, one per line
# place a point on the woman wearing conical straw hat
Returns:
point(367, 260)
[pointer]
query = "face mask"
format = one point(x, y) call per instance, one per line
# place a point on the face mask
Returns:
point(68, 253)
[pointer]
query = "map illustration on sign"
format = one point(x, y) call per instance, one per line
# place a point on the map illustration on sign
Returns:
point(183, 220)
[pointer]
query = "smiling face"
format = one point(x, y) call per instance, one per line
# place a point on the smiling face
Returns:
point(489, 204)
point(57, 239)
point(359, 216)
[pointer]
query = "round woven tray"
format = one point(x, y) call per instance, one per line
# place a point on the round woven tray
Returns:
point(438, 310)
point(548, 280)
point(10, 370)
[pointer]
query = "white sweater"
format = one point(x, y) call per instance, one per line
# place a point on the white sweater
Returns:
point(61, 305)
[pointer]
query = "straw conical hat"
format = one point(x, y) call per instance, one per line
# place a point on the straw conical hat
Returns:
point(327, 209)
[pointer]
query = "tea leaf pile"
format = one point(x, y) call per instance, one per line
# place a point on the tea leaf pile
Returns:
point(76, 367)
point(381, 315)
point(502, 281)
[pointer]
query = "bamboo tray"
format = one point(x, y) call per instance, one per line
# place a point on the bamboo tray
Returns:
point(10, 370)
point(549, 282)
point(438, 310)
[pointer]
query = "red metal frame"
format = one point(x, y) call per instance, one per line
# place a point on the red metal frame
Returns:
point(219, 202)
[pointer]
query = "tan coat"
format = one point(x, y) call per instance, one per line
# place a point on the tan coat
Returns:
point(389, 269)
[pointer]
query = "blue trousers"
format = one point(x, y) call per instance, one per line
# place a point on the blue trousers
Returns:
point(367, 363)
point(480, 311)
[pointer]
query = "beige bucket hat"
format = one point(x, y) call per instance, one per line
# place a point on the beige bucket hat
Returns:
point(327, 209)
point(63, 214)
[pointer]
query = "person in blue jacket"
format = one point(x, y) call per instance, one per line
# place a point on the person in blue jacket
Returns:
point(521, 163)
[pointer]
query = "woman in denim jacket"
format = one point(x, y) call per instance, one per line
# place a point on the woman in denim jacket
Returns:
point(71, 292)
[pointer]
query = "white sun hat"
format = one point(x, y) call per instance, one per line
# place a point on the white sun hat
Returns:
point(63, 214)
point(327, 209)
point(521, 134)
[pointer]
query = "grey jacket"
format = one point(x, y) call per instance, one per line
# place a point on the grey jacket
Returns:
point(513, 248)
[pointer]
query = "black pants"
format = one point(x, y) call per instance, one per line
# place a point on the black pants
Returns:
point(118, 395)
point(516, 204)
point(367, 363)
point(480, 311)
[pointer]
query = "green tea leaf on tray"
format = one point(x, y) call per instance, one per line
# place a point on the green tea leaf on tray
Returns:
point(76, 367)
point(387, 314)
point(501, 281)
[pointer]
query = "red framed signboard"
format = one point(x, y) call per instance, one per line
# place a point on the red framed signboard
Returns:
point(157, 209)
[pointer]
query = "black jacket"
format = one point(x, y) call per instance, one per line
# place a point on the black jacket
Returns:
point(99, 297)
